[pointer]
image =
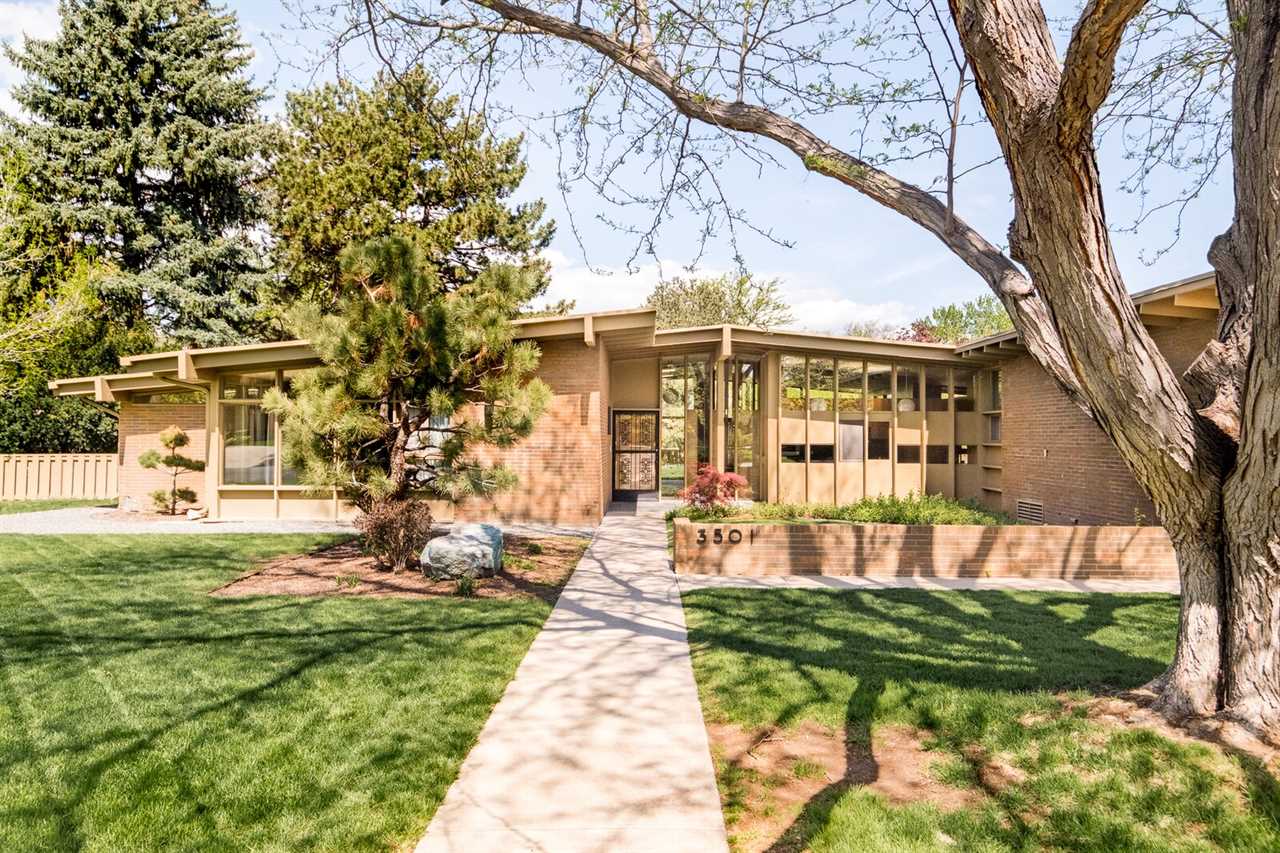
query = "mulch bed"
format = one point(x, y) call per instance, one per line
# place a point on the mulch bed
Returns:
point(344, 570)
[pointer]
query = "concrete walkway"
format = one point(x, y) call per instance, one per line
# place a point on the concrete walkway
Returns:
point(693, 582)
point(598, 743)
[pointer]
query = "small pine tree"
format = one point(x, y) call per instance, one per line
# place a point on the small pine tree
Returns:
point(174, 464)
point(404, 345)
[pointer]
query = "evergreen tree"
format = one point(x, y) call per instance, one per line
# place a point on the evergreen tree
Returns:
point(398, 158)
point(405, 345)
point(141, 148)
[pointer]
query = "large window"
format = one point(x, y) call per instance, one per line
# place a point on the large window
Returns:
point(850, 407)
point(821, 386)
point(685, 400)
point(937, 391)
point(965, 389)
point(908, 389)
point(879, 388)
point(248, 433)
point(793, 381)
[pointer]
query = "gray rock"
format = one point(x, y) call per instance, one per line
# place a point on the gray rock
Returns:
point(469, 550)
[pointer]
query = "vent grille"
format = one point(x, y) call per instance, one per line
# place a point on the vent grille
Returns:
point(1031, 512)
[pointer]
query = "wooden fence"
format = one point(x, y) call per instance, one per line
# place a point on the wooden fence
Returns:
point(45, 476)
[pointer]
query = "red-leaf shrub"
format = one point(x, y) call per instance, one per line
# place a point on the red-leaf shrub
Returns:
point(712, 490)
point(395, 531)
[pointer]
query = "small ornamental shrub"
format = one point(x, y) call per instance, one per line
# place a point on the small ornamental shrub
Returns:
point(466, 586)
point(395, 531)
point(712, 491)
point(174, 464)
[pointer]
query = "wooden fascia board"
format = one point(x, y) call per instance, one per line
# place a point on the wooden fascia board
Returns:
point(782, 341)
point(1204, 298)
point(1167, 308)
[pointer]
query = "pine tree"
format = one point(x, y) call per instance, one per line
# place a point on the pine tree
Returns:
point(141, 144)
point(402, 347)
point(173, 439)
point(397, 158)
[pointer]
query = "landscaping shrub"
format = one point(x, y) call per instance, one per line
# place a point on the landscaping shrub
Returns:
point(888, 509)
point(395, 531)
point(712, 491)
point(174, 464)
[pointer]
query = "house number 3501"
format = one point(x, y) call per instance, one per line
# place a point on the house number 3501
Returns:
point(718, 536)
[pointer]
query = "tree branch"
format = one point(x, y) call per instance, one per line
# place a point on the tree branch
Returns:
point(1090, 65)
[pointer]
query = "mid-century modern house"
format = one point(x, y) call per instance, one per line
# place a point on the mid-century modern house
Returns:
point(636, 410)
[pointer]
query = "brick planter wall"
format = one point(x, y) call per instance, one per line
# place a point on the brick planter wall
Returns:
point(947, 551)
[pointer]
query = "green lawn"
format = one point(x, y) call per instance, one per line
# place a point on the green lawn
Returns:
point(15, 507)
point(138, 713)
point(979, 668)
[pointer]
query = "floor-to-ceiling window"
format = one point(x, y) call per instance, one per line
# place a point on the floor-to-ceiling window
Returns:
point(743, 451)
point(686, 417)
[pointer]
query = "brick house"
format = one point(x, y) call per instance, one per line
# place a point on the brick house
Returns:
point(636, 410)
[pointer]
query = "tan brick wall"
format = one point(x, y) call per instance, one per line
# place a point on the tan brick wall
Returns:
point(1055, 454)
point(947, 551)
point(559, 464)
point(139, 429)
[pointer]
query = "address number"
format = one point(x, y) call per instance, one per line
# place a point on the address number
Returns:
point(718, 536)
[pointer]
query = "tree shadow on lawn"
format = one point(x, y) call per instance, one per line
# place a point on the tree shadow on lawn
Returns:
point(964, 666)
point(140, 662)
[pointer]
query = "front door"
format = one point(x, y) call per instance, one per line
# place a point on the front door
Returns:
point(635, 454)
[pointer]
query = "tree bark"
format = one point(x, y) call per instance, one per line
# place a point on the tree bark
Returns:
point(1043, 119)
point(1250, 252)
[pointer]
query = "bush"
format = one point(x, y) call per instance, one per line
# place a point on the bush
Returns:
point(712, 491)
point(913, 509)
point(395, 531)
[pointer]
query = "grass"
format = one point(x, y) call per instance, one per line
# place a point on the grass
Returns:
point(887, 509)
point(139, 713)
point(16, 507)
point(982, 673)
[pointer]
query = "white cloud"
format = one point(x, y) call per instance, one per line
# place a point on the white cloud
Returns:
point(816, 308)
point(19, 20)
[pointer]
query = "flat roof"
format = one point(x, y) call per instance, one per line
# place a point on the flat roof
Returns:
point(192, 368)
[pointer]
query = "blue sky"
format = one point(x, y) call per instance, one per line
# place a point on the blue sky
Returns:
point(850, 259)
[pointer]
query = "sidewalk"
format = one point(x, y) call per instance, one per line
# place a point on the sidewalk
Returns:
point(598, 743)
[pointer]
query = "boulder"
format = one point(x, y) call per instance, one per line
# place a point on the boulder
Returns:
point(469, 550)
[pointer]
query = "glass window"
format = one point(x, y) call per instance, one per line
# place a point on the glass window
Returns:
point(249, 453)
point(684, 445)
point(879, 389)
point(171, 398)
point(937, 393)
point(908, 389)
point(964, 390)
point(822, 453)
point(249, 386)
point(821, 385)
point(908, 453)
point(849, 381)
point(851, 441)
point(878, 440)
point(793, 453)
point(966, 454)
point(792, 386)
point(994, 391)
point(993, 429)
point(938, 454)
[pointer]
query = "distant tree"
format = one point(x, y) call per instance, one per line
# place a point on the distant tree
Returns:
point(737, 300)
point(141, 145)
point(404, 345)
point(874, 329)
point(398, 159)
point(959, 322)
point(175, 465)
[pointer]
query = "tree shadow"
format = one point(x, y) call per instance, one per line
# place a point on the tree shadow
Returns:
point(907, 648)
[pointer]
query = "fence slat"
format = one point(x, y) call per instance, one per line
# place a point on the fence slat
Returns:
point(70, 476)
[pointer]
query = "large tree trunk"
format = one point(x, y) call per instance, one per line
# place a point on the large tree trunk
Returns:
point(1043, 119)
point(1248, 260)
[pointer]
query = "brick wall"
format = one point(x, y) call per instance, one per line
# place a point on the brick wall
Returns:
point(139, 429)
point(946, 551)
point(559, 464)
point(1055, 454)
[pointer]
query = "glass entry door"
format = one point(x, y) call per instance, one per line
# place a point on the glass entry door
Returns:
point(743, 450)
point(635, 453)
